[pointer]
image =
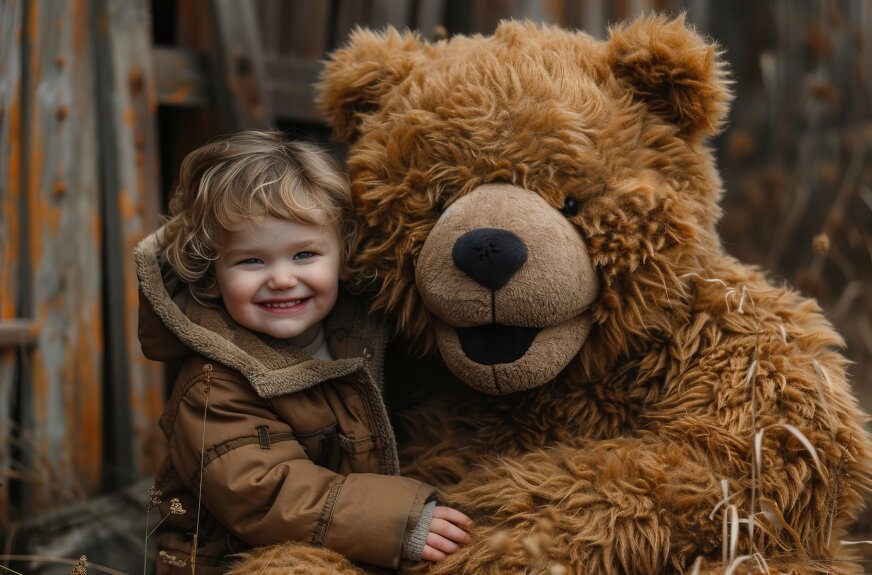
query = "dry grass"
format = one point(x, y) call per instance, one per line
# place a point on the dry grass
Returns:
point(798, 175)
point(80, 565)
point(761, 506)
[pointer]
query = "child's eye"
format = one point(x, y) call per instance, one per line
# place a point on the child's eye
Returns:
point(304, 255)
point(249, 261)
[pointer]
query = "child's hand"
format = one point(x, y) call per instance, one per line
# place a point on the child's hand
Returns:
point(448, 532)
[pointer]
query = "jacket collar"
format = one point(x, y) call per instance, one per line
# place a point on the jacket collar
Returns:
point(271, 366)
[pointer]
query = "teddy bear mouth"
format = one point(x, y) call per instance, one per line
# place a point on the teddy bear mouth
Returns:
point(494, 343)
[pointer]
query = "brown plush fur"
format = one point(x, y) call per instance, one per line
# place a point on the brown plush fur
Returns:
point(617, 465)
point(292, 559)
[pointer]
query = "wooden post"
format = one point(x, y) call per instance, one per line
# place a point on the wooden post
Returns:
point(396, 13)
point(428, 15)
point(11, 19)
point(61, 395)
point(345, 15)
point(127, 102)
point(309, 29)
point(239, 69)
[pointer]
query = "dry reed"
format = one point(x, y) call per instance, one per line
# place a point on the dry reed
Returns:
point(75, 563)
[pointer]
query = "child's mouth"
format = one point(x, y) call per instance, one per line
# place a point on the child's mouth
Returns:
point(284, 306)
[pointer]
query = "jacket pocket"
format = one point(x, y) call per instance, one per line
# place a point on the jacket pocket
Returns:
point(322, 447)
point(360, 455)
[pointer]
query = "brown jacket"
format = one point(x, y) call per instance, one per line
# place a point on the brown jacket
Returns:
point(290, 447)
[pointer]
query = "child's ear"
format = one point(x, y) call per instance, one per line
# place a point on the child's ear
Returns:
point(357, 77)
point(674, 71)
point(344, 275)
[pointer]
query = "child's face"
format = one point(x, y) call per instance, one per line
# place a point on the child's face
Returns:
point(279, 277)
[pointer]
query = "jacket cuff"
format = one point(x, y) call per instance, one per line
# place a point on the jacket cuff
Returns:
point(417, 537)
point(372, 516)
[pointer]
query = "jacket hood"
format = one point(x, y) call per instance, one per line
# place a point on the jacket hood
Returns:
point(173, 325)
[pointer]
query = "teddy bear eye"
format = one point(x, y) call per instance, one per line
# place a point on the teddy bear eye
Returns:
point(570, 207)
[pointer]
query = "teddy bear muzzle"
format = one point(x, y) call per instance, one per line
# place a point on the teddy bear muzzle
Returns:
point(509, 282)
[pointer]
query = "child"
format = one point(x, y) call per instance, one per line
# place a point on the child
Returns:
point(277, 429)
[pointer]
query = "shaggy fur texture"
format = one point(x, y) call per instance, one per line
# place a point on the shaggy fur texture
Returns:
point(685, 410)
point(292, 559)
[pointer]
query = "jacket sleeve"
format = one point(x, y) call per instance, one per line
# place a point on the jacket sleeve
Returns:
point(261, 486)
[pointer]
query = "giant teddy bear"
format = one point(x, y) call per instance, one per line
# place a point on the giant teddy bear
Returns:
point(621, 396)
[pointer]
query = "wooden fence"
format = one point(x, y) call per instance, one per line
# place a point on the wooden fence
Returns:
point(100, 100)
point(79, 177)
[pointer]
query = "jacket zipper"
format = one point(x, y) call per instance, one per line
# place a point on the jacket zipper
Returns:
point(389, 460)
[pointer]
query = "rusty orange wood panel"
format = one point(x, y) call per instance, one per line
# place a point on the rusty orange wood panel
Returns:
point(62, 399)
point(133, 121)
point(11, 18)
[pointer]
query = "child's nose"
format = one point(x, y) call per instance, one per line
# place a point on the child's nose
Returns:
point(282, 278)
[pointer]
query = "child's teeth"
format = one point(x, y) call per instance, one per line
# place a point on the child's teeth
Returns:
point(284, 304)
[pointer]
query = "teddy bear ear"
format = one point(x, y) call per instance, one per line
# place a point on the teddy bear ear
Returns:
point(677, 73)
point(357, 77)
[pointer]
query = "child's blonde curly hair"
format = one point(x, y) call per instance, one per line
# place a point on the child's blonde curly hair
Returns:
point(247, 176)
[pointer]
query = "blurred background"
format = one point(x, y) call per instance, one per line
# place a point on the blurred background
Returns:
point(101, 99)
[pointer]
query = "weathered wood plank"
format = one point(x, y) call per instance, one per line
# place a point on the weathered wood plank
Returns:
point(11, 20)
point(180, 77)
point(17, 333)
point(61, 405)
point(291, 88)
point(270, 19)
point(128, 138)
point(107, 529)
point(486, 14)
point(349, 13)
point(193, 29)
point(307, 28)
point(396, 13)
point(429, 14)
point(191, 127)
point(239, 66)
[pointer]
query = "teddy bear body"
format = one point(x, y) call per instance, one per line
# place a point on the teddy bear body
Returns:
point(621, 396)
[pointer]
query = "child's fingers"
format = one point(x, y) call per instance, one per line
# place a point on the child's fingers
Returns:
point(452, 515)
point(440, 543)
point(448, 530)
point(430, 554)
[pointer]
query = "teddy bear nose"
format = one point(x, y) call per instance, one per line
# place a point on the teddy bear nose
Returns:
point(490, 256)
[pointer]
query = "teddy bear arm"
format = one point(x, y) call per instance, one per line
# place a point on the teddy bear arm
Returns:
point(630, 505)
point(657, 499)
point(598, 507)
point(773, 418)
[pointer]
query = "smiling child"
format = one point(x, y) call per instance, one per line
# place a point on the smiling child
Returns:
point(277, 428)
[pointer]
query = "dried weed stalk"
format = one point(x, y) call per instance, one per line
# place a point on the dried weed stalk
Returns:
point(207, 386)
point(176, 507)
point(80, 566)
point(759, 505)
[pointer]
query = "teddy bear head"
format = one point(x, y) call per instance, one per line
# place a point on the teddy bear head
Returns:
point(531, 201)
